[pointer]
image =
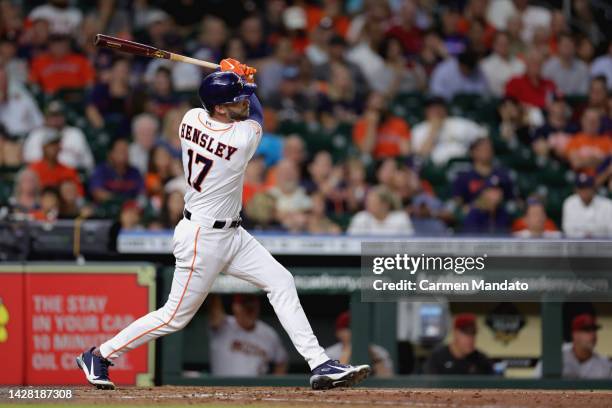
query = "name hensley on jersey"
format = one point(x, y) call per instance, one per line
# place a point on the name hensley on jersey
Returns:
point(198, 137)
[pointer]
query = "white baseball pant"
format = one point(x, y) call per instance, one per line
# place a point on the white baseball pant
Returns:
point(201, 254)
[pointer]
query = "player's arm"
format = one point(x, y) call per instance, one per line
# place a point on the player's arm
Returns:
point(255, 110)
point(216, 313)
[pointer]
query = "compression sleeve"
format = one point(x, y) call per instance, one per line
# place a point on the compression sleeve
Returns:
point(255, 109)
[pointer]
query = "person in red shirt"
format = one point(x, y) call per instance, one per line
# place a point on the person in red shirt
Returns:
point(406, 30)
point(60, 68)
point(50, 172)
point(531, 88)
point(379, 133)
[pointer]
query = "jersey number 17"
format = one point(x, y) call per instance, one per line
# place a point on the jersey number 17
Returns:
point(197, 183)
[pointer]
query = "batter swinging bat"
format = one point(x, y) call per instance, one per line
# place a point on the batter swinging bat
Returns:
point(143, 50)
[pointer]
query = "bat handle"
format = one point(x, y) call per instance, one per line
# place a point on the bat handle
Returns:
point(189, 60)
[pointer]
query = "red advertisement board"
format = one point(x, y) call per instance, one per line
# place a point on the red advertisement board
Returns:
point(12, 329)
point(66, 310)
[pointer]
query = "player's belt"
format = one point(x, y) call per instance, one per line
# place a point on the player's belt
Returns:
point(218, 224)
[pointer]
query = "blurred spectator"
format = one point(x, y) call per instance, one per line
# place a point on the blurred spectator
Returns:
point(62, 18)
point(71, 204)
point(433, 52)
point(294, 151)
point(514, 122)
point(161, 169)
point(61, 68)
point(604, 175)
point(531, 16)
point(381, 216)
point(380, 360)
point(318, 222)
point(586, 214)
point(570, 75)
point(253, 178)
point(399, 74)
point(252, 35)
point(355, 185)
point(173, 204)
point(501, 65)
point(110, 100)
point(26, 192)
point(291, 102)
point(15, 65)
point(291, 199)
point(339, 97)
point(440, 137)
point(454, 41)
point(468, 184)
point(49, 205)
point(405, 28)
point(171, 123)
point(241, 344)
point(557, 131)
point(603, 66)
point(585, 50)
point(531, 88)
point(364, 54)
point(598, 99)
point(587, 149)
point(595, 26)
point(50, 172)
point(475, 14)
point(487, 214)
point(19, 113)
point(130, 217)
point(36, 39)
point(460, 356)
point(535, 223)
point(317, 49)
point(144, 133)
point(427, 215)
point(514, 28)
point(10, 149)
point(116, 179)
point(458, 75)
point(213, 34)
point(379, 133)
point(74, 149)
point(184, 76)
point(270, 73)
point(323, 176)
point(260, 213)
point(161, 96)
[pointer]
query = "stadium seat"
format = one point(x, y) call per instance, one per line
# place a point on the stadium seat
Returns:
point(409, 106)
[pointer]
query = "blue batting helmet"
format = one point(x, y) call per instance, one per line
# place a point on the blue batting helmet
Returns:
point(224, 87)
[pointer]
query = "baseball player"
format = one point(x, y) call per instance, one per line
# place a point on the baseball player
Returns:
point(217, 142)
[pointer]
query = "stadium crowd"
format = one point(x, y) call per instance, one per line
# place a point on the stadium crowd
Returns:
point(381, 117)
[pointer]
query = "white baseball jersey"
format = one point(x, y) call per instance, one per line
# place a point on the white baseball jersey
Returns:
point(215, 155)
point(235, 351)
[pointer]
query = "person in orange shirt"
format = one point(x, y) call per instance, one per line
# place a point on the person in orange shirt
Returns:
point(588, 148)
point(50, 172)
point(379, 133)
point(535, 223)
point(60, 68)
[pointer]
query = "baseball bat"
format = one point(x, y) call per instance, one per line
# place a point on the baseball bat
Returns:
point(132, 47)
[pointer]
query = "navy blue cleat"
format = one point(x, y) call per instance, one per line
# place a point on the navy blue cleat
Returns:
point(332, 374)
point(95, 369)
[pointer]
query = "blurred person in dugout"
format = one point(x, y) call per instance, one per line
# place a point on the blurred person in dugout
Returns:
point(380, 360)
point(579, 357)
point(460, 356)
point(241, 345)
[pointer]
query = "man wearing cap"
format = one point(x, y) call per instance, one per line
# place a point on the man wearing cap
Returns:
point(586, 214)
point(579, 357)
point(381, 362)
point(74, 151)
point(50, 172)
point(487, 214)
point(241, 344)
point(460, 356)
point(440, 137)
